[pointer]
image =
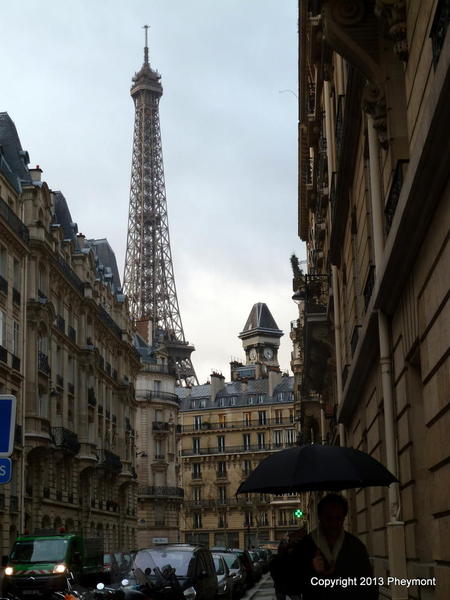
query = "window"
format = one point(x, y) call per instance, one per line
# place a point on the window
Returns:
point(196, 471)
point(221, 401)
point(278, 417)
point(249, 519)
point(2, 329)
point(221, 443)
point(262, 416)
point(3, 262)
point(233, 401)
point(157, 385)
point(247, 467)
point(290, 436)
point(260, 398)
point(222, 489)
point(278, 438)
point(222, 421)
point(291, 416)
point(202, 403)
point(247, 418)
point(159, 450)
point(222, 519)
point(16, 274)
point(246, 440)
point(197, 494)
point(197, 521)
point(16, 333)
point(222, 469)
point(261, 441)
point(263, 520)
point(196, 445)
point(197, 422)
point(251, 399)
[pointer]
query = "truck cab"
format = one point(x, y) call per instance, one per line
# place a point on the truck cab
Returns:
point(40, 564)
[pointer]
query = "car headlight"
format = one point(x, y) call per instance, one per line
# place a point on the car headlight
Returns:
point(9, 571)
point(190, 593)
point(61, 568)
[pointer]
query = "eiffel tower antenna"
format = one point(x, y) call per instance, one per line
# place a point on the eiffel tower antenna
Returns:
point(149, 280)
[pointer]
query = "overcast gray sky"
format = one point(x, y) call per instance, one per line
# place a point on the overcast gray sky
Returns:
point(229, 140)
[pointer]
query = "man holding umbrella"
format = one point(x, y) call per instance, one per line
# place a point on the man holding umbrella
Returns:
point(331, 563)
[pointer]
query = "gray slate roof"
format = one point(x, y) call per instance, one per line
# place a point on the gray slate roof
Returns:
point(261, 320)
point(256, 393)
point(13, 160)
point(63, 217)
point(107, 263)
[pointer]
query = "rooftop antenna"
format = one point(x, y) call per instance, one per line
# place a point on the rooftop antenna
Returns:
point(146, 27)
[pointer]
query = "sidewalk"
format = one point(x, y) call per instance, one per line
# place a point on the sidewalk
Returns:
point(263, 590)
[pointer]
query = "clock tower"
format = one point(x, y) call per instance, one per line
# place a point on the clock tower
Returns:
point(261, 337)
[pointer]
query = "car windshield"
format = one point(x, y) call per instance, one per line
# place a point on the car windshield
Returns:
point(39, 551)
point(178, 560)
point(232, 561)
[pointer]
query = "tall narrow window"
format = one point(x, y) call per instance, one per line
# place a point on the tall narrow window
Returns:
point(196, 445)
point(16, 335)
point(262, 416)
point(222, 421)
point(248, 418)
point(197, 422)
point(2, 329)
point(221, 443)
point(261, 441)
point(246, 440)
point(196, 471)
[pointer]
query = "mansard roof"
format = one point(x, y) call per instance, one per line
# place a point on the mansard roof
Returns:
point(13, 159)
point(107, 263)
point(63, 217)
point(236, 393)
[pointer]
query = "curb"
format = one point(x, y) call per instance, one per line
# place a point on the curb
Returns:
point(252, 593)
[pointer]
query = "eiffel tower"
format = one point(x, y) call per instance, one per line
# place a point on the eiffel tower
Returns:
point(149, 280)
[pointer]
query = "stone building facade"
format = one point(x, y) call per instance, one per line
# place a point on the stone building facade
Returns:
point(159, 492)
point(226, 430)
point(74, 464)
point(374, 210)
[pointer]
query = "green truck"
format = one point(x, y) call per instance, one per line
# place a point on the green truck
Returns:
point(41, 564)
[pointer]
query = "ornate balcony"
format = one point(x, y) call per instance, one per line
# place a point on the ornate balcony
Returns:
point(65, 440)
point(160, 491)
point(43, 365)
point(110, 461)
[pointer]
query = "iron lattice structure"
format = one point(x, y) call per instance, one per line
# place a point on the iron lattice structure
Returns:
point(149, 280)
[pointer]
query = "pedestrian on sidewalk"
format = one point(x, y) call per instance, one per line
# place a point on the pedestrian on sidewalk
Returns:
point(284, 582)
point(331, 553)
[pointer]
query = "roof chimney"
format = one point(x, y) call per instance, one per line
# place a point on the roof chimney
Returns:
point(217, 384)
point(35, 173)
point(274, 379)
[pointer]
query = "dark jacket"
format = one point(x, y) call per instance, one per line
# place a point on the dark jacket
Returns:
point(352, 563)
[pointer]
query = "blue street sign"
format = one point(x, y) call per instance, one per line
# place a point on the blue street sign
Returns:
point(5, 470)
point(7, 424)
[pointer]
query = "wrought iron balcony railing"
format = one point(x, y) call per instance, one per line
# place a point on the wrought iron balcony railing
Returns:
point(316, 293)
point(267, 447)
point(162, 396)
point(236, 424)
point(13, 220)
point(66, 440)
point(394, 194)
point(43, 365)
point(109, 460)
point(160, 491)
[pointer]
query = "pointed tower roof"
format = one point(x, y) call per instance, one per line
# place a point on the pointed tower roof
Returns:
point(260, 321)
point(146, 78)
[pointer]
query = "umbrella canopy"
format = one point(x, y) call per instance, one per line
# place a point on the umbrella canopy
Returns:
point(315, 467)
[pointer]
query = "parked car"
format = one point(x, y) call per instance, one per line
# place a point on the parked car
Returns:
point(111, 569)
point(225, 580)
point(237, 571)
point(257, 568)
point(246, 560)
point(123, 563)
point(194, 568)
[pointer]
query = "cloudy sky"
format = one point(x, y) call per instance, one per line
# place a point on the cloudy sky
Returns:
point(229, 134)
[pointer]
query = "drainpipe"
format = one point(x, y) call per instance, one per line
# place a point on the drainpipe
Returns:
point(395, 527)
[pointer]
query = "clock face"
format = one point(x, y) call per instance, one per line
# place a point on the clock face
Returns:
point(252, 354)
point(268, 353)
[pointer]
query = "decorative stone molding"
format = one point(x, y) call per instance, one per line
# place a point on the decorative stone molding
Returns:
point(393, 13)
point(374, 103)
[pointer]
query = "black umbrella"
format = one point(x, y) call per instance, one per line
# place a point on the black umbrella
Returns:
point(315, 467)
